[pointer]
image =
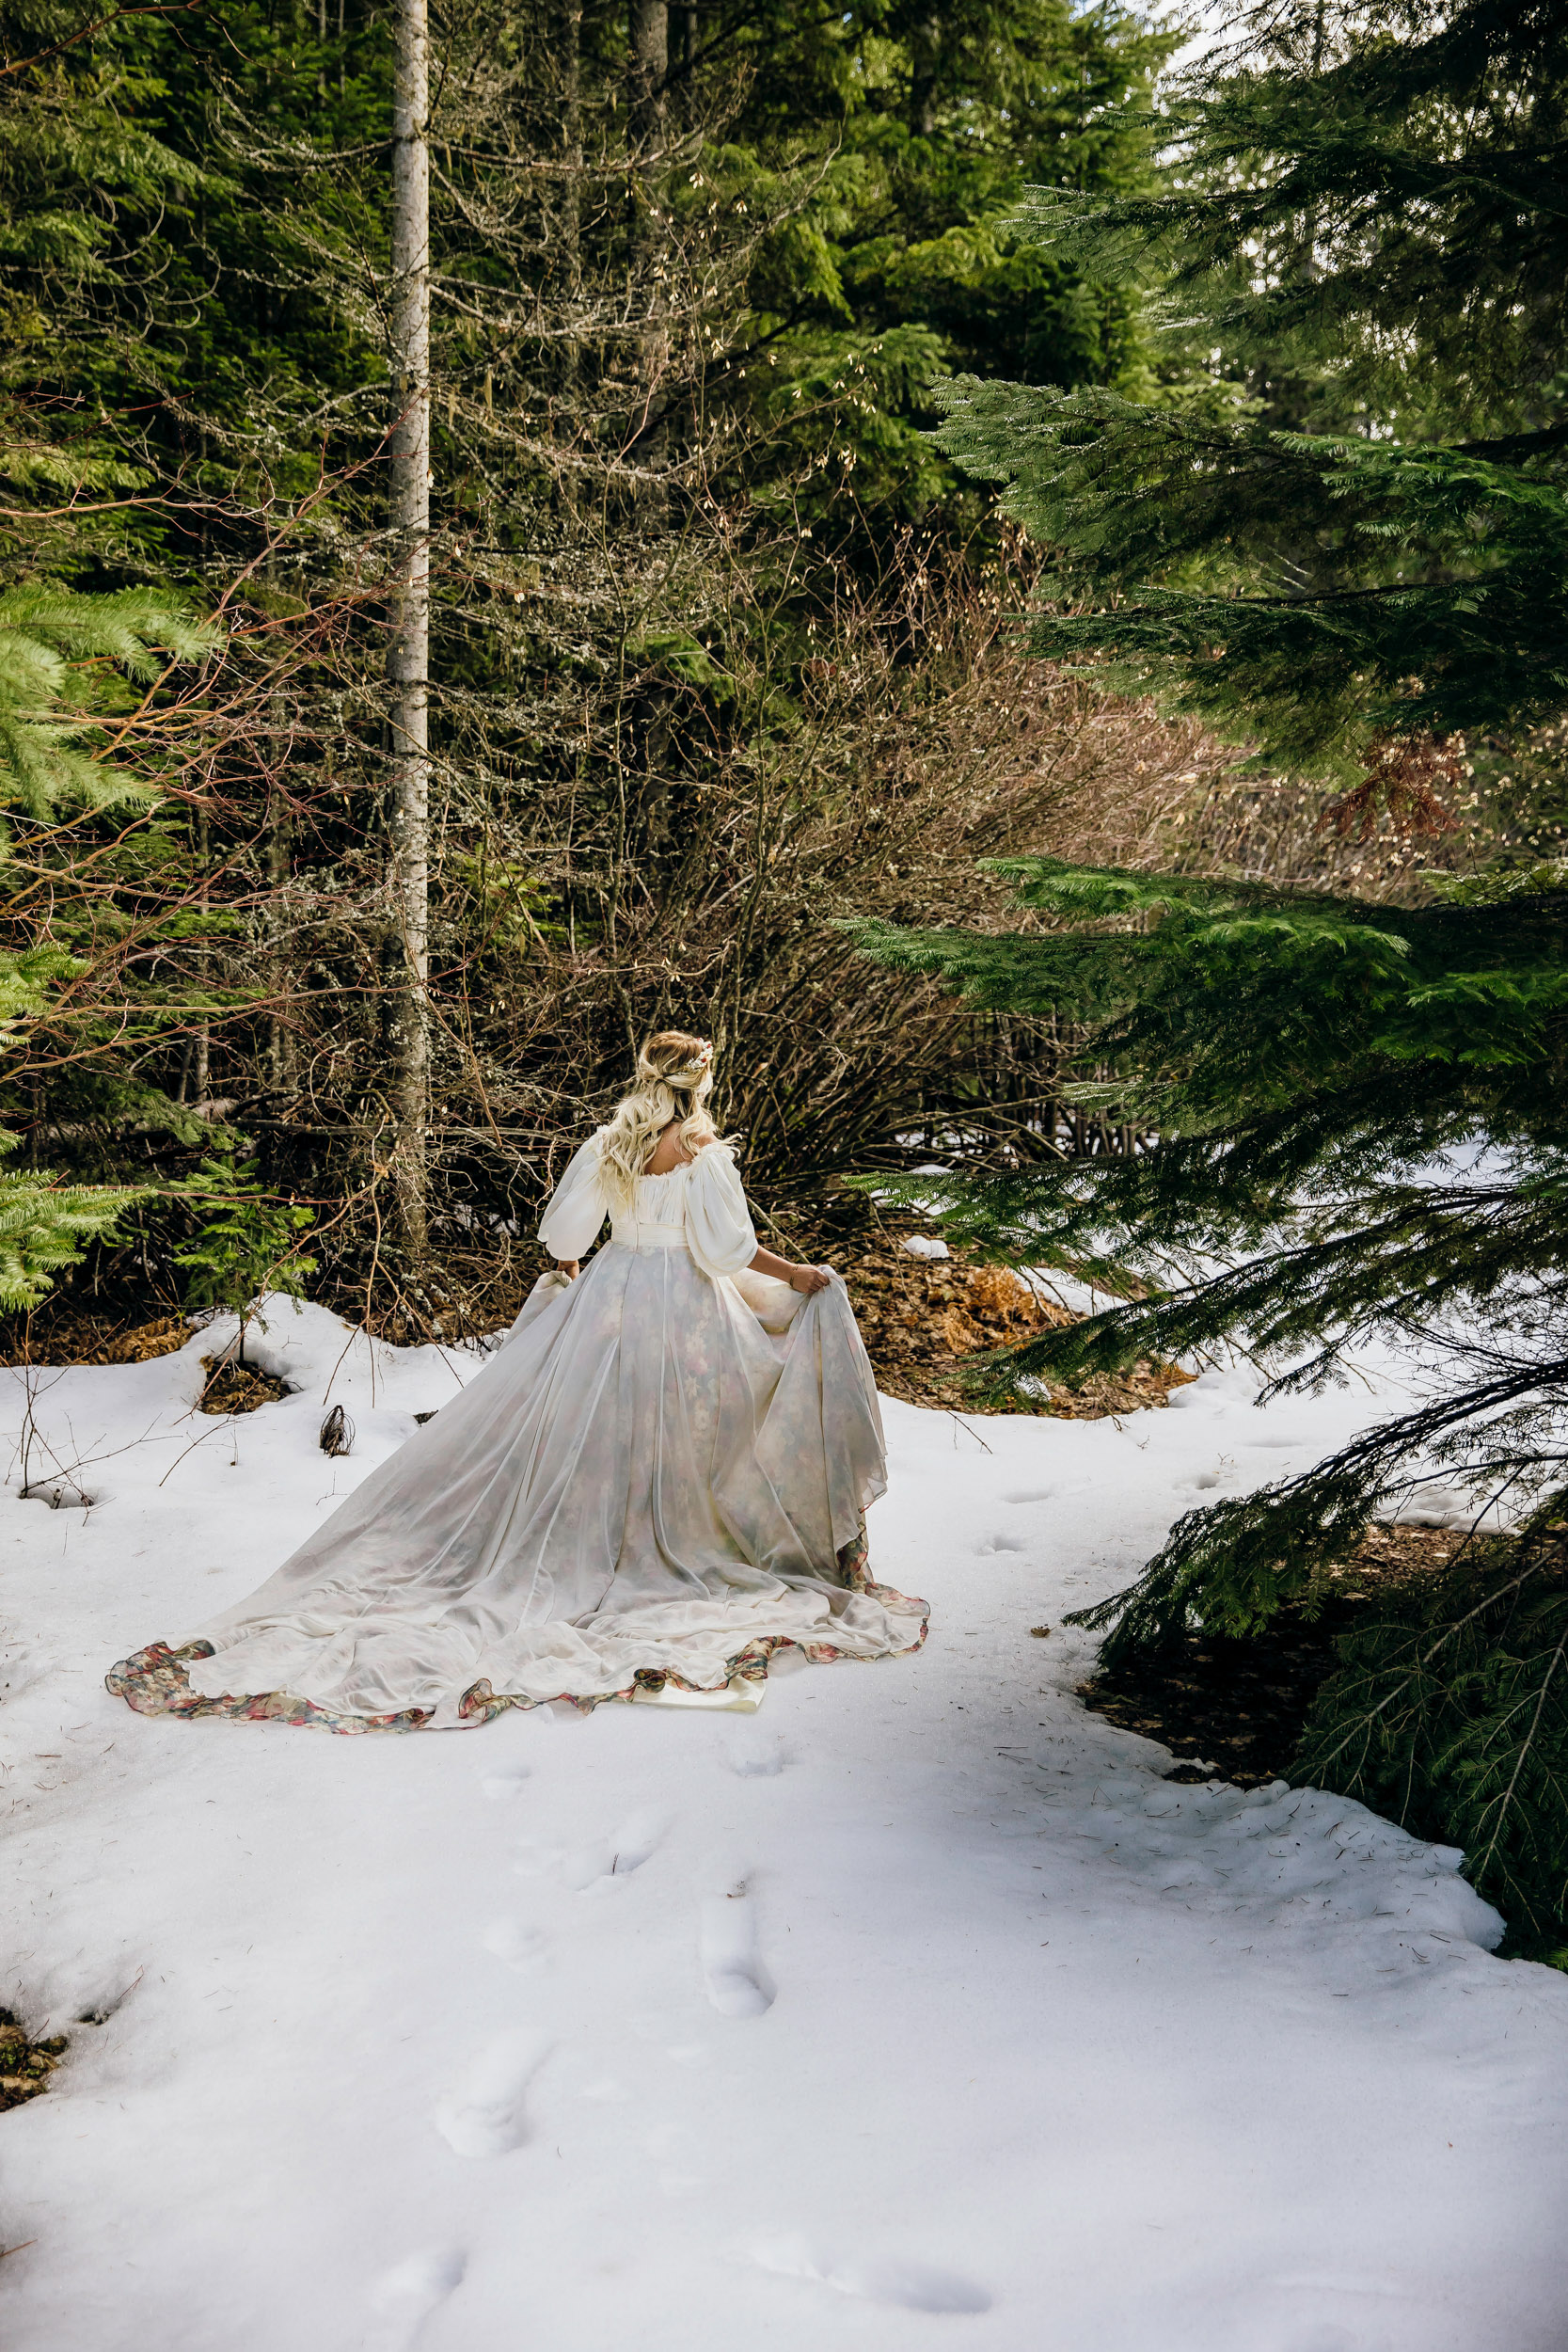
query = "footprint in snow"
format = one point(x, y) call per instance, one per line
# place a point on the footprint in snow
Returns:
point(404, 2299)
point(895, 2279)
point(738, 1982)
point(1031, 1494)
point(521, 1948)
point(1001, 1541)
point(484, 2114)
point(581, 1866)
point(615, 1857)
point(506, 1780)
point(752, 1754)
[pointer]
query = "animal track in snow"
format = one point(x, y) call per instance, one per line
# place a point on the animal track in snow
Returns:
point(1031, 1494)
point(505, 1781)
point(911, 2286)
point(485, 2115)
point(1001, 1541)
point(521, 1948)
point(406, 2297)
point(738, 1984)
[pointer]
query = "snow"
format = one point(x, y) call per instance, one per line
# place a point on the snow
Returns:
point(917, 2007)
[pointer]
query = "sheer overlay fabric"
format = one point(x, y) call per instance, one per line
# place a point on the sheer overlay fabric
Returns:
point(644, 1483)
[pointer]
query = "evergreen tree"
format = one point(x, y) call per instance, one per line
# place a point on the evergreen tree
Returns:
point(1354, 536)
point(1357, 1113)
point(686, 312)
point(64, 662)
point(44, 1224)
point(247, 1246)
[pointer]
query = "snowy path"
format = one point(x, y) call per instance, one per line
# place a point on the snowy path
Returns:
point(917, 2007)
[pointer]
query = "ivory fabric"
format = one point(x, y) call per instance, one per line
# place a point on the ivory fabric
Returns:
point(642, 1482)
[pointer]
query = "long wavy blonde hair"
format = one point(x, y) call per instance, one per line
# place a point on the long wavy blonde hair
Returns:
point(672, 1081)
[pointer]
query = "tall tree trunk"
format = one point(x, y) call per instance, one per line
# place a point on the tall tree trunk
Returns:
point(649, 27)
point(648, 75)
point(409, 644)
point(279, 1043)
point(201, 1065)
point(568, 43)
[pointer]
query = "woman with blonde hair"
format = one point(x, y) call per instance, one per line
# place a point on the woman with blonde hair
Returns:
point(660, 1481)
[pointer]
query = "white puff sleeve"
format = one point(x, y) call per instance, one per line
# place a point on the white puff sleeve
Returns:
point(719, 1228)
point(578, 1207)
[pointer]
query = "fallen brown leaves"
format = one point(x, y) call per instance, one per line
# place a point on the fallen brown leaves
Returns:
point(232, 1388)
point(924, 1318)
point(25, 2066)
point(94, 1339)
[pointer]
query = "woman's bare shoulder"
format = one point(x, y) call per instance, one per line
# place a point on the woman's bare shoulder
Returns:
point(671, 1150)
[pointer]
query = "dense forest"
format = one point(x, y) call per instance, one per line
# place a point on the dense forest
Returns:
point(718, 641)
point(721, 644)
point(1014, 581)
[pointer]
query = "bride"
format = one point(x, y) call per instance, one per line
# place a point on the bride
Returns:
point(660, 1480)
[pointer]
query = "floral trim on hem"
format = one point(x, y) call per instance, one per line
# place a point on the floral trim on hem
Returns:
point(156, 1681)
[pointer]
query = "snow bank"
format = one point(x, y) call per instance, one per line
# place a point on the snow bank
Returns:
point(919, 2006)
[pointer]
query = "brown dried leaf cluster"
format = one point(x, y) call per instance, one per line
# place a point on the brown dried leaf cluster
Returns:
point(84, 1337)
point(924, 1322)
point(27, 2067)
point(232, 1388)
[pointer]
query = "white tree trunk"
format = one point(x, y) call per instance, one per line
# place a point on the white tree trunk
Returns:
point(408, 645)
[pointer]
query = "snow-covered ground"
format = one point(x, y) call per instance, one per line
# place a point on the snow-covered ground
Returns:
point(917, 2007)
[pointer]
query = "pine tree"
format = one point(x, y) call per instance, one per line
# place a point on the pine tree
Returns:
point(1356, 534)
point(1358, 1114)
point(62, 656)
point(67, 660)
point(44, 1224)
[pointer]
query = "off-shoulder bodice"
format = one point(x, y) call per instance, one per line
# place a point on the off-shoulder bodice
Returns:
point(700, 1206)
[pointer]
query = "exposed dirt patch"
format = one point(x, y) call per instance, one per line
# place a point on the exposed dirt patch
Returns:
point(91, 1338)
point(27, 2067)
point(921, 1317)
point(233, 1388)
point(1238, 1705)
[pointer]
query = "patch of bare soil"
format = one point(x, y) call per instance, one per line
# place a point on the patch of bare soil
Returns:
point(234, 1388)
point(1233, 1709)
point(25, 2066)
point(91, 1338)
point(923, 1317)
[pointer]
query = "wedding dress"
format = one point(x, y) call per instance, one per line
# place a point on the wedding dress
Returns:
point(645, 1493)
